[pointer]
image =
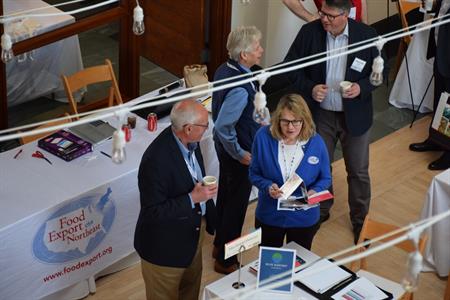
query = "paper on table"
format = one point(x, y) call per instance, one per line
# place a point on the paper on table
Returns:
point(361, 288)
point(324, 280)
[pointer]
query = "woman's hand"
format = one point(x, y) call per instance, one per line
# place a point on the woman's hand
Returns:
point(311, 192)
point(274, 191)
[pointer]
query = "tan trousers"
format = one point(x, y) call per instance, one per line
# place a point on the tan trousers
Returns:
point(167, 283)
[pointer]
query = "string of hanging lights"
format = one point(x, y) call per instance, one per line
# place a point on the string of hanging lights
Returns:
point(6, 42)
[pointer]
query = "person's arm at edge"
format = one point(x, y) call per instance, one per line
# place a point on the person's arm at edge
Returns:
point(364, 16)
point(230, 112)
point(296, 7)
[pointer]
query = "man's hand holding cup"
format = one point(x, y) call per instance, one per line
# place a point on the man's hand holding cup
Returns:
point(204, 190)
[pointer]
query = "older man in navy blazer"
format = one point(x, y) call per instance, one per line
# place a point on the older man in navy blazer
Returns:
point(345, 117)
point(175, 207)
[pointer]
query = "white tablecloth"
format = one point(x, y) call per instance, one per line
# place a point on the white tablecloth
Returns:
point(437, 251)
point(31, 79)
point(420, 72)
point(63, 223)
point(41, 201)
point(222, 288)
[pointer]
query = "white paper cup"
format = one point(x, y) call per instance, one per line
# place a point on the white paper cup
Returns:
point(345, 86)
point(209, 180)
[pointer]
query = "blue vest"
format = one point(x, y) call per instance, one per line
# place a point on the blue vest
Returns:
point(246, 127)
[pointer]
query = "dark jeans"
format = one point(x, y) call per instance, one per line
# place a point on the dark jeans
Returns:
point(273, 236)
point(232, 201)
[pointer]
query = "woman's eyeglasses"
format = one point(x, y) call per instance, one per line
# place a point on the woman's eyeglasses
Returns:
point(329, 17)
point(295, 123)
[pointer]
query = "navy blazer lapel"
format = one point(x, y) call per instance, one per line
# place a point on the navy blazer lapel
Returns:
point(323, 48)
point(198, 155)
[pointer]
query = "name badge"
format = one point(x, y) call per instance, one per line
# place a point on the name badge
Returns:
point(352, 13)
point(313, 160)
point(358, 65)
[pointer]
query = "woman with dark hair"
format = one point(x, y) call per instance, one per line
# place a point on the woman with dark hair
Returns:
point(288, 145)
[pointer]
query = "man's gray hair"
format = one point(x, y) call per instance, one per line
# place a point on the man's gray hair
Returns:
point(181, 115)
point(241, 39)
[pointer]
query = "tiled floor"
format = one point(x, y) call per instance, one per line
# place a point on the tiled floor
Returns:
point(387, 118)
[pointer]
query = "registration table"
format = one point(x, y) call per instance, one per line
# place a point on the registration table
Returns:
point(437, 250)
point(65, 223)
point(222, 289)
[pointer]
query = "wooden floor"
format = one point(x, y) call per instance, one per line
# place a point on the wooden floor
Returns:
point(400, 179)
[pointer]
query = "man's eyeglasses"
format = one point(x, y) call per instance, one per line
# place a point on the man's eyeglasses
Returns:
point(199, 125)
point(330, 17)
point(295, 123)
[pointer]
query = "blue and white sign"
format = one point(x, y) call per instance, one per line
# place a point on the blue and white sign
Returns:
point(276, 265)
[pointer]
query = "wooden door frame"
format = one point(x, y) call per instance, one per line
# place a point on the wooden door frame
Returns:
point(128, 49)
point(220, 27)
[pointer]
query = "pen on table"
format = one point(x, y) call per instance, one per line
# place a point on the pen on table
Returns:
point(105, 154)
point(18, 153)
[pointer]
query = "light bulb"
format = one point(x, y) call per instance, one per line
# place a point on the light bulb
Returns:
point(261, 114)
point(7, 53)
point(376, 77)
point(118, 153)
point(138, 20)
point(410, 281)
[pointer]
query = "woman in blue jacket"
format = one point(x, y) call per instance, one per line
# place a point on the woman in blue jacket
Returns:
point(289, 144)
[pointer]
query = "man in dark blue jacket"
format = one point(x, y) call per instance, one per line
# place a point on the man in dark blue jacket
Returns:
point(346, 117)
point(175, 207)
point(234, 130)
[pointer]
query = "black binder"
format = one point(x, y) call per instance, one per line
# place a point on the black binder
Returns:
point(339, 286)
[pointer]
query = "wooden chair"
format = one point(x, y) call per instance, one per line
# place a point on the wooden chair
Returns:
point(372, 229)
point(404, 7)
point(83, 78)
point(30, 138)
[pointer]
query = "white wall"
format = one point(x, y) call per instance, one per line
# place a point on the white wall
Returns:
point(279, 26)
point(377, 10)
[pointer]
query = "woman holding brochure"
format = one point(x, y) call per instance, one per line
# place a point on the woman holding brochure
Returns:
point(288, 149)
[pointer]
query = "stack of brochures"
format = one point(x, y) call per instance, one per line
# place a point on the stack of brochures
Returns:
point(324, 280)
point(360, 289)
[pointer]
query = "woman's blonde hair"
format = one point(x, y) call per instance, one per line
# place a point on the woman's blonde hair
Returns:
point(297, 105)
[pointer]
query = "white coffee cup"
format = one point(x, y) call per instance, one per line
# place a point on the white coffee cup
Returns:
point(209, 180)
point(345, 86)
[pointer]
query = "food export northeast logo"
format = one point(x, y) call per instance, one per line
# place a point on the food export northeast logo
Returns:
point(75, 229)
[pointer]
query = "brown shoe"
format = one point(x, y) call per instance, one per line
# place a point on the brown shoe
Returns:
point(215, 252)
point(224, 270)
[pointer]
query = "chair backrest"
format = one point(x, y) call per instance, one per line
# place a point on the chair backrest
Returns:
point(372, 229)
point(83, 78)
point(30, 138)
point(405, 7)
